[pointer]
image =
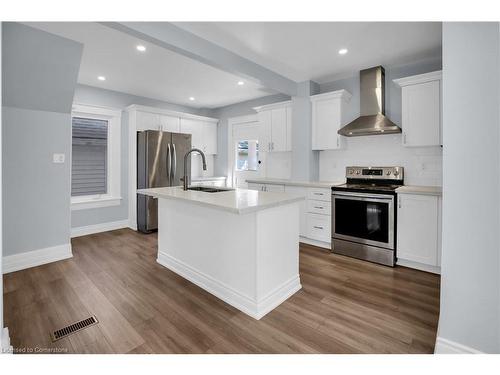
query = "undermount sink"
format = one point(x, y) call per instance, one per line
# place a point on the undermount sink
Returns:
point(208, 189)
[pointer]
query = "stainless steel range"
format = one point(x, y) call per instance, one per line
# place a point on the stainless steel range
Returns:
point(364, 214)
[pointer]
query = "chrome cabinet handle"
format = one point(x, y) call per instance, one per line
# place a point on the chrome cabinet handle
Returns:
point(399, 202)
point(338, 142)
point(404, 138)
point(319, 208)
point(317, 227)
point(175, 163)
point(169, 163)
point(318, 194)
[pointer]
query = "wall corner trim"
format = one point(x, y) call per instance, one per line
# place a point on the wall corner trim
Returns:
point(35, 258)
point(445, 346)
point(99, 228)
point(5, 346)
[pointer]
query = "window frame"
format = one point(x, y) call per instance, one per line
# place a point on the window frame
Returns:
point(113, 196)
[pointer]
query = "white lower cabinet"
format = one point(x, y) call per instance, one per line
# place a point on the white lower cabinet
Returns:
point(266, 187)
point(319, 227)
point(419, 232)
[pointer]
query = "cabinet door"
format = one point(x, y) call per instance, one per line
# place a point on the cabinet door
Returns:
point(193, 127)
point(210, 138)
point(302, 207)
point(147, 121)
point(278, 130)
point(422, 114)
point(417, 238)
point(170, 124)
point(264, 131)
point(288, 129)
point(319, 227)
point(326, 121)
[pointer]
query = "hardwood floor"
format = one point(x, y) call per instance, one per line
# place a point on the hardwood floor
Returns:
point(345, 306)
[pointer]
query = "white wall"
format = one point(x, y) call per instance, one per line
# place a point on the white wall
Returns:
point(470, 265)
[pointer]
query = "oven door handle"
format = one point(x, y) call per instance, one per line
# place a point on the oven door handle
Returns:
point(363, 197)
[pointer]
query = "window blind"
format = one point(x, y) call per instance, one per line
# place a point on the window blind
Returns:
point(89, 156)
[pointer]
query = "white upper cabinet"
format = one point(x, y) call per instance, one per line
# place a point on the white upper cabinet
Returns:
point(275, 121)
point(210, 138)
point(203, 134)
point(195, 128)
point(147, 121)
point(328, 116)
point(169, 123)
point(421, 109)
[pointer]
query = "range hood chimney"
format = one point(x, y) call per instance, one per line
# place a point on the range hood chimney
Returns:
point(372, 120)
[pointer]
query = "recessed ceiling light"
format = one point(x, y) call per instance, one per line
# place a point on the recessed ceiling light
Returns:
point(101, 78)
point(191, 98)
point(241, 83)
point(141, 48)
point(343, 51)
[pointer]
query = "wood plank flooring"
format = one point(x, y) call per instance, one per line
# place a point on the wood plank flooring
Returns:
point(345, 306)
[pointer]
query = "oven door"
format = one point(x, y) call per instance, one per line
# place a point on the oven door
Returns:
point(363, 218)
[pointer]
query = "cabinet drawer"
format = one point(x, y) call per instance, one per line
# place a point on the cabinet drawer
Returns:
point(319, 207)
point(318, 227)
point(320, 194)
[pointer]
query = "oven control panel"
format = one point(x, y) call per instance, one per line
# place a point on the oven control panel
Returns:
point(376, 173)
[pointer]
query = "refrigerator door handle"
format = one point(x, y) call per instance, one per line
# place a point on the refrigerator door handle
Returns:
point(175, 163)
point(169, 162)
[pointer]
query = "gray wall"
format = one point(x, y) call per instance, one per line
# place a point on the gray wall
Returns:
point(470, 262)
point(38, 79)
point(235, 110)
point(107, 98)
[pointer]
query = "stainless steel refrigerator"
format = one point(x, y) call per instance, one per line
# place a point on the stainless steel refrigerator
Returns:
point(160, 163)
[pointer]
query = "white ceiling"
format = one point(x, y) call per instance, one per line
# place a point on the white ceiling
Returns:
point(309, 51)
point(157, 73)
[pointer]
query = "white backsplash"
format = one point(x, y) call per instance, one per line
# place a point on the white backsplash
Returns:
point(277, 164)
point(196, 166)
point(422, 165)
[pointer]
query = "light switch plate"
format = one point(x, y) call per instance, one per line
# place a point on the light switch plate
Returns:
point(58, 158)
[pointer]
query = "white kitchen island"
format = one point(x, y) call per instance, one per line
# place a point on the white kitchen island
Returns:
point(239, 245)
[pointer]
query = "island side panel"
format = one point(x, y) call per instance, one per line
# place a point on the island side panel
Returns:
point(277, 256)
point(212, 248)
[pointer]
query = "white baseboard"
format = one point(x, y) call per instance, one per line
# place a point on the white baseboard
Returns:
point(309, 241)
point(5, 347)
point(98, 228)
point(445, 346)
point(251, 307)
point(35, 258)
point(418, 266)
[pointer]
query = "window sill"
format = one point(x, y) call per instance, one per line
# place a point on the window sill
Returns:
point(85, 203)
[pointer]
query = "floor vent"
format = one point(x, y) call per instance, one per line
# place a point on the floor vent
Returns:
point(75, 327)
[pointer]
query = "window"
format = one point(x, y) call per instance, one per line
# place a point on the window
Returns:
point(247, 155)
point(95, 157)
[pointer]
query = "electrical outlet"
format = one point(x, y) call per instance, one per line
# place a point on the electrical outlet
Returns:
point(58, 158)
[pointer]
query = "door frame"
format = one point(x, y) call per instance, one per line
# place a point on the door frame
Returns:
point(231, 122)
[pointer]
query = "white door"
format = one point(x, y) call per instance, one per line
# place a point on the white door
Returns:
point(244, 151)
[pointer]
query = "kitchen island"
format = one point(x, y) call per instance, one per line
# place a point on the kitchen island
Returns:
point(239, 245)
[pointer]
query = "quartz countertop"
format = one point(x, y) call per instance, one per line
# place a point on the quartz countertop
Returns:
point(238, 201)
point(313, 184)
point(424, 190)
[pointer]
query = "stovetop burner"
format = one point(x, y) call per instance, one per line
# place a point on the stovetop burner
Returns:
point(372, 179)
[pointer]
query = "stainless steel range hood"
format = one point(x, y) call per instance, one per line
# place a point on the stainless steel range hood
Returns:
point(372, 120)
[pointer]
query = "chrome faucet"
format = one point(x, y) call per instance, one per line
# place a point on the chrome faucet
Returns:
point(186, 179)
